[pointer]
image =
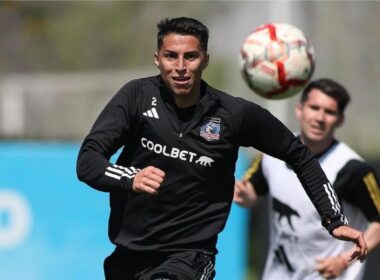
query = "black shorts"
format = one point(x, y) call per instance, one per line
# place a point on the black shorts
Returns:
point(189, 265)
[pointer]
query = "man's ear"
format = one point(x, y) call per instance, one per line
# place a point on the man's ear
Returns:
point(340, 120)
point(156, 60)
point(298, 111)
point(205, 63)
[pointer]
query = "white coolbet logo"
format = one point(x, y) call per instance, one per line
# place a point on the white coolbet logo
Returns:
point(169, 152)
point(15, 218)
point(175, 152)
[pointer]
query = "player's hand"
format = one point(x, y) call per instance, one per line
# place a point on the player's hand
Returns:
point(148, 180)
point(244, 194)
point(347, 233)
point(333, 267)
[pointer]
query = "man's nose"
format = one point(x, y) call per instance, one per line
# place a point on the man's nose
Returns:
point(181, 64)
point(321, 116)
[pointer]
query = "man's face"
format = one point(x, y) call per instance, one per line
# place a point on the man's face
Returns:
point(318, 117)
point(181, 61)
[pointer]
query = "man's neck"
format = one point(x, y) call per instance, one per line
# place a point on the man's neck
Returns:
point(317, 147)
point(187, 100)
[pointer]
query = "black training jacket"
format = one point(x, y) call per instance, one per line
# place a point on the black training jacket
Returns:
point(194, 201)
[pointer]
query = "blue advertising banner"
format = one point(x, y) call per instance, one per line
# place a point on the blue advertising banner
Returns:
point(54, 227)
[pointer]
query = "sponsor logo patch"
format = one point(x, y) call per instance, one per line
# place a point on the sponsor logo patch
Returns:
point(210, 129)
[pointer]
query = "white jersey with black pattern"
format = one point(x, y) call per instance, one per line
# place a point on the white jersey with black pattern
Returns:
point(297, 238)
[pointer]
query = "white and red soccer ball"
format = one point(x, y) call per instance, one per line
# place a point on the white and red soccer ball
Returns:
point(277, 60)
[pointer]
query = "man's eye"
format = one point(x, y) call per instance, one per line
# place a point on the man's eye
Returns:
point(314, 107)
point(331, 112)
point(191, 56)
point(170, 55)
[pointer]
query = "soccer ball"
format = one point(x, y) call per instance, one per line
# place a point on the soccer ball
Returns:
point(277, 60)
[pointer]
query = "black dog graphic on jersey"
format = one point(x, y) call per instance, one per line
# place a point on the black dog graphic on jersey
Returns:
point(284, 211)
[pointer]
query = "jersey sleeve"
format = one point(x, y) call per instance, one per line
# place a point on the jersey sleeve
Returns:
point(255, 176)
point(358, 184)
point(107, 135)
point(261, 130)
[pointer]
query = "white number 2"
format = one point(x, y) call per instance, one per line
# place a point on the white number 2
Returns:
point(154, 101)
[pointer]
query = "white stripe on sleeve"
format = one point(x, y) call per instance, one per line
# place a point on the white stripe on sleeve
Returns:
point(117, 172)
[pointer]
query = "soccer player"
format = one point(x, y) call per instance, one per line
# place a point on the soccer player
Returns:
point(172, 186)
point(299, 247)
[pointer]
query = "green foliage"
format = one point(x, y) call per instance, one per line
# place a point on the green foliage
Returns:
point(82, 35)
point(46, 36)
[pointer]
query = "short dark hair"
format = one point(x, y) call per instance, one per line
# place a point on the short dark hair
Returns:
point(330, 88)
point(185, 26)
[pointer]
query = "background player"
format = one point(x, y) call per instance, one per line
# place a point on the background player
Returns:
point(299, 247)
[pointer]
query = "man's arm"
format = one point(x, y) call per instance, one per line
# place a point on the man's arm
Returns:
point(358, 184)
point(279, 142)
point(245, 194)
point(372, 236)
point(110, 132)
point(333, 267)
point(253, 185)
point(264, 132)
point(346, 233)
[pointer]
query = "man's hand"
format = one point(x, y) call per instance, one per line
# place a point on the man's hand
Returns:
point(244, 194)
point(347, 233)
point(148, 180)
point(332, 267)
